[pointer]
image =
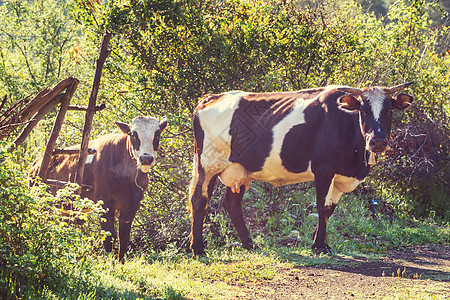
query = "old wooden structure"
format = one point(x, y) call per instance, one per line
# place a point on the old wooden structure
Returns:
point(29, 112)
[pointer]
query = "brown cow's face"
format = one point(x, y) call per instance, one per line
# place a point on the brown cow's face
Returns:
point(375, 107)
point(144, 133)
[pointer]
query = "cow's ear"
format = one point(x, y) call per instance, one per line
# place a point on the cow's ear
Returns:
point(349, 102)
point(163, 123)
point(123, 126)
point(402, 101)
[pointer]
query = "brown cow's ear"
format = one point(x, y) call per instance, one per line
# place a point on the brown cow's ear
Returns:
point(123, 126)
point(402, 101)
point(163, 123)
point(349, 102)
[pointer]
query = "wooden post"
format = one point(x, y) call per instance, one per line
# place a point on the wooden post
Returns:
point(56, 129)
point(104, 53)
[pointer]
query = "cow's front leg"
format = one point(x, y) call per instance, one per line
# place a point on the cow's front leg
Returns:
point(201, 191)
point(327, 198)
point(108, 225)
point(124, 238)
point(233, 205)
point(126, 217)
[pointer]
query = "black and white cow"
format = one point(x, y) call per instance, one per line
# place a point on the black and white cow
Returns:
point(326, 134)
point(117, 173)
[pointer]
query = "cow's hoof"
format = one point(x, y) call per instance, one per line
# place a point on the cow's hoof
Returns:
point(199, 253)
point(251, 246)
point(324, 249)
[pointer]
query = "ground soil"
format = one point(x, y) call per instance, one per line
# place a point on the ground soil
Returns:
point(420, 272)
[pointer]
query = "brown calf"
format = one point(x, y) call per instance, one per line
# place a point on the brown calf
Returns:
point(117, 173)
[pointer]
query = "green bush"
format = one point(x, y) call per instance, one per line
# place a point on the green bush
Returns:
point(38, 240)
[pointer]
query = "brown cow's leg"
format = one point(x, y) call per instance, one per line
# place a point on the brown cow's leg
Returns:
point(124, 238)
point(200, 195)
point(125, 221)
point(320, 244)
point(233, 205)
point(108, 225)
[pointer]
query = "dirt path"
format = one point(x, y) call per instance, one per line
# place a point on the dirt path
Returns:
point(422, 272)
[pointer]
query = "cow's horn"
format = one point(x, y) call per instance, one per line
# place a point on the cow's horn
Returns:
point(399, 87)
point(350, 90)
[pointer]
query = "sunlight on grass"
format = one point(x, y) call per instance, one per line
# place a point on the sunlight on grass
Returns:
point(220, 276)
point(419, 289)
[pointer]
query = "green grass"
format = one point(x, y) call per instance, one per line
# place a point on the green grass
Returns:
point(224, 274)
point(168, 276)
point(231, 272)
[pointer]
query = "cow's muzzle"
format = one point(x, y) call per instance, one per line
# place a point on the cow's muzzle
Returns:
point(378, 144)
point(146, 161)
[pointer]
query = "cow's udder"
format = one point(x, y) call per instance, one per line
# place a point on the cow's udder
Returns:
point(234, 176)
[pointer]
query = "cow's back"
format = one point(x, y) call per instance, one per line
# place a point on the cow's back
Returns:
point(62, 167)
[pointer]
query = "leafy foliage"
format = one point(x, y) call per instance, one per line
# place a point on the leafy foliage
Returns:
point(36, 235)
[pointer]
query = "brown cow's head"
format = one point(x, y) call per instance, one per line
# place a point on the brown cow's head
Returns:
point(375, 105)
point(144, 133)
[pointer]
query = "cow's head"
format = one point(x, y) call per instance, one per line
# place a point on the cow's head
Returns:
point(375, 105)
point(144, 134)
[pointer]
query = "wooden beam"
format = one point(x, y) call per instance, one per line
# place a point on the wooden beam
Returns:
point(63, 184)
point(85, 108)
point(56, 129)
point(104, 53)
point(72, 151)
point(44, 110)
point(24, 109)
point(44, 97)
point(4, 101)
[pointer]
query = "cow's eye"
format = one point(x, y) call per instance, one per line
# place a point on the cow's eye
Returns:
point(135, 140)
point(156, 140)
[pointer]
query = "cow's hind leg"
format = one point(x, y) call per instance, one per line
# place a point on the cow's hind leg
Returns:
point(201, 191)
point(232, 203)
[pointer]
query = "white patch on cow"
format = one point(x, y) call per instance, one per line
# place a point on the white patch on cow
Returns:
point(346, 184)
point(145, 169)
point(215, 121)
point(333, 194)
point(89, 158)
point(273, 170)
point(339, 185)
point(376, 98)
point(294, 118)
point(145, 128)
point(280, 176)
